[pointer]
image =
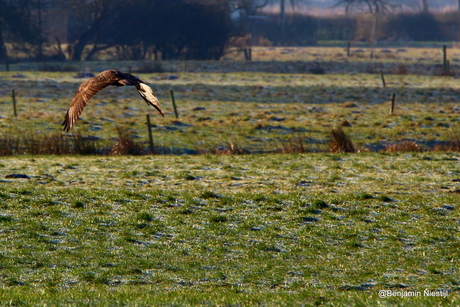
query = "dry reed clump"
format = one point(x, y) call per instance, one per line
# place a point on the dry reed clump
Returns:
point(452, 145)
point(340, 142)
point(85, 145)
point(350, 104)
point(406, 146)
point(230, 149)
point(126, 144)
point(401, 70)
point(17, 143)
point(43, 144)
point(8, 145)
point(294, 145)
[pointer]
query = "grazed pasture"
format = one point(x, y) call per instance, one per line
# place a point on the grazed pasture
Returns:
point(222, 229)
point(260, 112)
point(267, 229)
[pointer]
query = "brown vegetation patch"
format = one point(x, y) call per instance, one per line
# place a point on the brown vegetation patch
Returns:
point(341, 142)
point(294, 145)
point(231, 148)
point(452, 145)
point(406, 146)
point(126, 144)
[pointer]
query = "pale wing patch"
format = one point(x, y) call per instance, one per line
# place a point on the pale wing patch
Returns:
point(146, 92)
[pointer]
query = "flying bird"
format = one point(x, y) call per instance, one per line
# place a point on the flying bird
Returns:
point(89, 88)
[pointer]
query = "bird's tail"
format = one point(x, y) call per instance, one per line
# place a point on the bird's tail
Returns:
point(147, 94)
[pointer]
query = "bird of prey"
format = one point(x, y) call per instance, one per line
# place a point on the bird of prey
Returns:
point(90, 87)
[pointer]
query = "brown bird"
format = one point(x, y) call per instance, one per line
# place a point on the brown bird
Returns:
point(89, 88)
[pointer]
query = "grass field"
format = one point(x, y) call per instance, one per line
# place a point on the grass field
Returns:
point(260, 112)
point(222, 229)
point(266, 229)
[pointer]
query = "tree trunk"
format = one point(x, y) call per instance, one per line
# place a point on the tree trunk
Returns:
point(90, 34)
point(95, 50)
point(3, 53)
point(283, 14)
point(84, 40)
point(424, 5)
point(40, 28)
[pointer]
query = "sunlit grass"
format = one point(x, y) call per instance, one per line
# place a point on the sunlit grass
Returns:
point(228, 228)
point(256, 111)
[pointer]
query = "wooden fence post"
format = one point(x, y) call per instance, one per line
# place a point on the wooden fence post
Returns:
point(247, 54)
point(383, 79)
point(184, 64)
point(149, 127)
point(171, 94)
point(444, 58)
point(392, 104)
point(13, 96)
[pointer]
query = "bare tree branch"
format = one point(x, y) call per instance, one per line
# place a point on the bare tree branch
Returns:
point(373, 6)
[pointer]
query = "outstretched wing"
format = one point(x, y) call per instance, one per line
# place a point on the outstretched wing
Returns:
point(85, 92)
point(109, 77)
point(147, 94)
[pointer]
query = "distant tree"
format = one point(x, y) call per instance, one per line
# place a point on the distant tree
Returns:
point(89, 17)
point(373, 6)
point(126, 27)
point(424, 5)
point(194, 29)
point(293, 3)
point(418, 27)
point(17, 25)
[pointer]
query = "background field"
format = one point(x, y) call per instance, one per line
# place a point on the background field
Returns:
point(269, 228)
point(260, 106)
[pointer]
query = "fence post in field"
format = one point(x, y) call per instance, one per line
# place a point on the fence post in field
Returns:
point(392, 104)
point(383, 79)
point(13, 96)
point(247, 54)
point(171, 94)
point(348, 49)
point(149, 127)
point(184, 64)
point(444, 58)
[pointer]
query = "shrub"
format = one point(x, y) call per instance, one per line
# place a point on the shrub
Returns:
point(341, 142)
point(126, 144)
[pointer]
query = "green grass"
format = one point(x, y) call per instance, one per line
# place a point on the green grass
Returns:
point(259, 112)
point(256, 229)
point(263, 229)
